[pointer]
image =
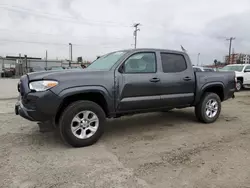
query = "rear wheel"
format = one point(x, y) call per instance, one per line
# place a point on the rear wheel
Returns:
point(208, 109)
point(82, 123)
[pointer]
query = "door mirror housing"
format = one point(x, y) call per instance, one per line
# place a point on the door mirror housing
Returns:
point(247, 70)
point(121, 68)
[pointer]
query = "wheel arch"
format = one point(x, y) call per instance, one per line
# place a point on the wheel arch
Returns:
point(215, 87)
point(97, 94)
point(240, 78)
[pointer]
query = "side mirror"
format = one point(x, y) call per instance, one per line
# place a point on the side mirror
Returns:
point(121, 68)
point(247, 70)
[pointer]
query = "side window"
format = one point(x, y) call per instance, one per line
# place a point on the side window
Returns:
point(173, 62)
point(247, 67)
point(144, 62)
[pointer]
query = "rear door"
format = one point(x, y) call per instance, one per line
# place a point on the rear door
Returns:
point(177, 80)
point(138, 83)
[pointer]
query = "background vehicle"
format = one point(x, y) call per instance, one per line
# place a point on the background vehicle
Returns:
point(36, 69)
point(117, 84)
point(55, 68)
point(8, 72)
point(202, 69)
point(74, 68)
point(242, 72)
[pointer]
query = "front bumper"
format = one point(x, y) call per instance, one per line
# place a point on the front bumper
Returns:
point(22, 111)
point(36, 106)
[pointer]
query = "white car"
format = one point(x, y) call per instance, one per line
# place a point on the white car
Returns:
point(242, 72)
point(202, 69)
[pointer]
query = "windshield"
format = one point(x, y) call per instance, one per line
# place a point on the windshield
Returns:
point(232, 68)
point(105, 62)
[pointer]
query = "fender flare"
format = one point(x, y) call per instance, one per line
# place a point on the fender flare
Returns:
point(87, 89)
point(206, 86)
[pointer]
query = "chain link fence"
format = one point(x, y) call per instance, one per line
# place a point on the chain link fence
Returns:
point(18, 67)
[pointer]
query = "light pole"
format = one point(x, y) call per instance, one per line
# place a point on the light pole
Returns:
point(198, 59)
point(230, 46)
point(135, 33)
point(70, 49)
point(46, 59)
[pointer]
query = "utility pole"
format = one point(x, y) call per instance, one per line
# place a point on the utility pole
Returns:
point(71, 56)
point(136, 25)
point(198, 59)
point(20, 66)
point(46, 60)
point(230, 47)
point(26, 63)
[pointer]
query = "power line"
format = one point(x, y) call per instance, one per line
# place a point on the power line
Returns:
point(60, 18)
point(50, 43)
point(68, 17)
point(49, 34)
point(32, 42)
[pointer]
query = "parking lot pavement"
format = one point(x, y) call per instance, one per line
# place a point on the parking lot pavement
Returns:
point(8, 88)
point(149, 150)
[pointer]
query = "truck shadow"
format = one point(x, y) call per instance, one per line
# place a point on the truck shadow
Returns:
point(126, 125)
point(148, 122)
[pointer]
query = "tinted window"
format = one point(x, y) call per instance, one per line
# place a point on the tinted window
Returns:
point(247, 67)
point(144, 62)
point(173, 62)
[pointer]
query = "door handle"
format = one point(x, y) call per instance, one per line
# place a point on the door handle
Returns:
point(154, 80)
point(187, 78)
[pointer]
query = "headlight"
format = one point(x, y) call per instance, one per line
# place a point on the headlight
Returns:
point(42, 85)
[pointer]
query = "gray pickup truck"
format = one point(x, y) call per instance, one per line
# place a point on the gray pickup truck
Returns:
point(121, 83)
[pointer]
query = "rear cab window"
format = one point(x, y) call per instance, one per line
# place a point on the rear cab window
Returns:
point(172, 63)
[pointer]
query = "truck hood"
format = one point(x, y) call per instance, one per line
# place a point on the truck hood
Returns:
point(65, 75)
point(238, 73)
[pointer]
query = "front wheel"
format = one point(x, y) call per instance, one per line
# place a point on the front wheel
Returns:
point(238, 85)
point(82, 123)
point(208, 109)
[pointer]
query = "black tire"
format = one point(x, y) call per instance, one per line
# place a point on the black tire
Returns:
point(200, 109)
point(67, 116)
point(238, 85)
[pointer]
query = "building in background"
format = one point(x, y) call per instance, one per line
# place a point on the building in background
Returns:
point(238, 58)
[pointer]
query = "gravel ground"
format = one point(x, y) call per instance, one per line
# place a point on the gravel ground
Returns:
point(8, 88)
point(150, 150)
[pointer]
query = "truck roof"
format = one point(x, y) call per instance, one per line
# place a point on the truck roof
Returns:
point(154, 49)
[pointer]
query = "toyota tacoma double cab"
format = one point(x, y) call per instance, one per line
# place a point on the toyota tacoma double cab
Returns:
point(121, 83)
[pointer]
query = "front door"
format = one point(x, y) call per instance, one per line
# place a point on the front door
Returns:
point(247, 75)
point(177, 80)
point(138, 83)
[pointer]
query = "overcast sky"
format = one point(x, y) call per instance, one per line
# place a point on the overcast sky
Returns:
point(95, 27)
